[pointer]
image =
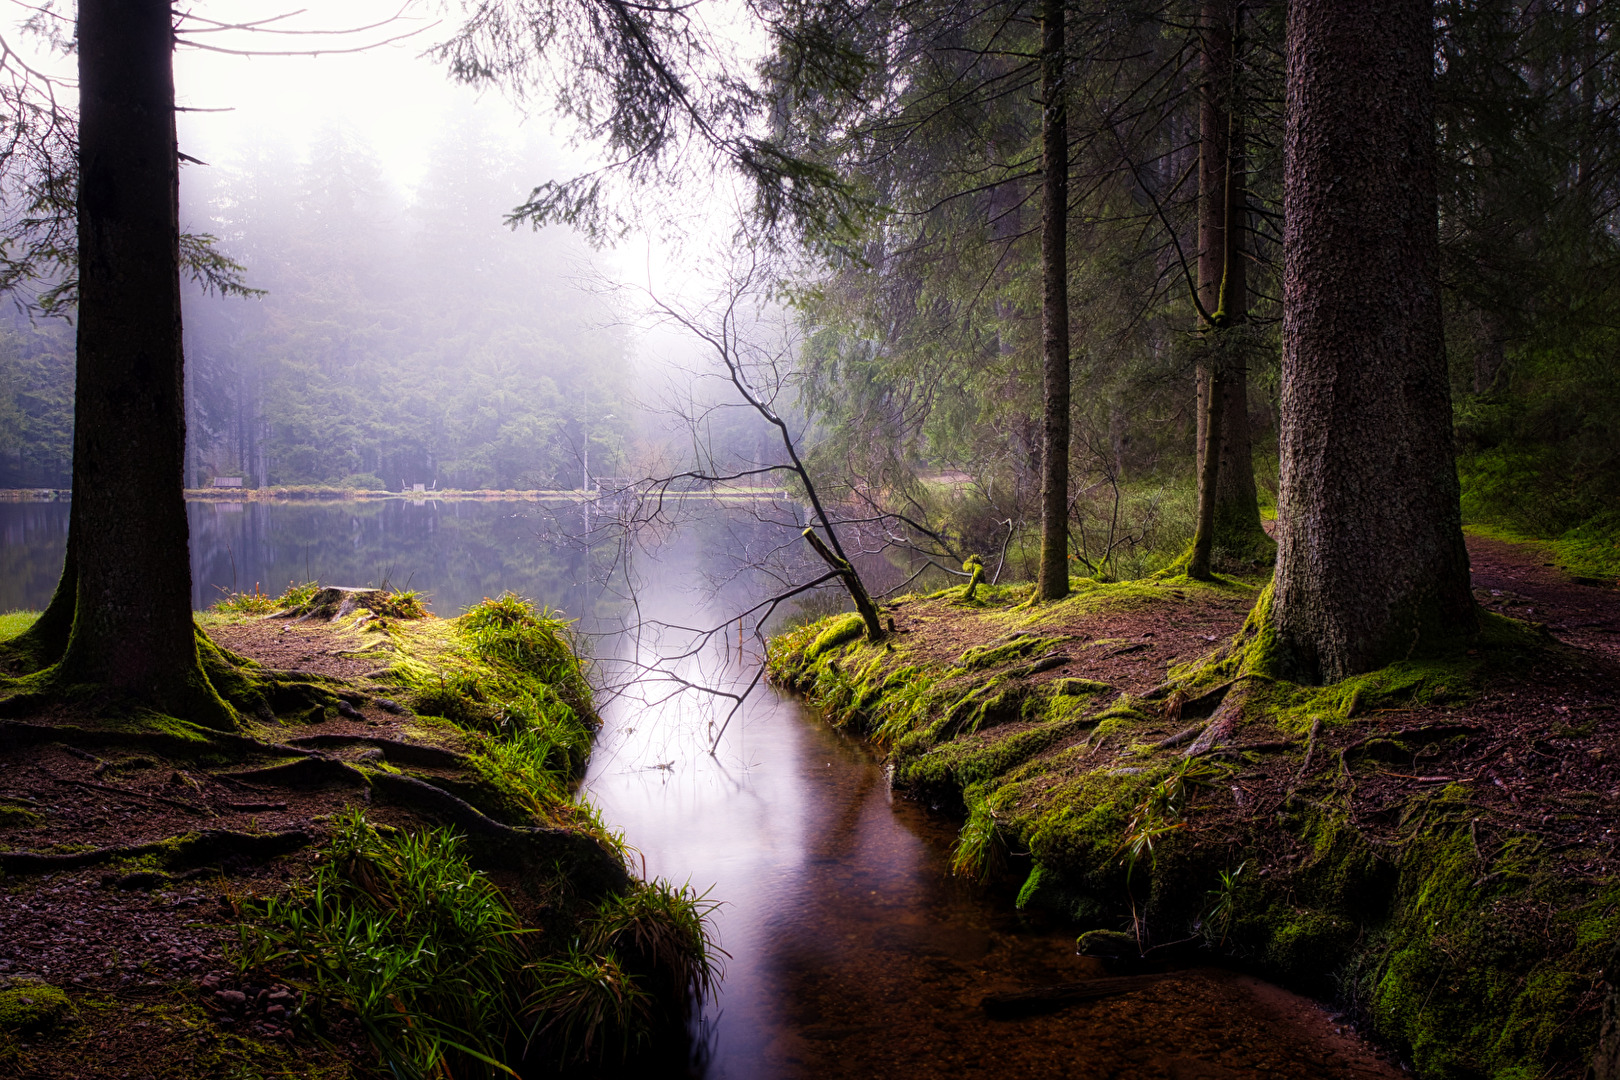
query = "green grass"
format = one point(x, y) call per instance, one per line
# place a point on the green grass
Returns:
point(406, 934)
point(257, 602)
point(1475, 957)
point(13, 623)
point(447, 980)
point(401, 928)
point(508, 678)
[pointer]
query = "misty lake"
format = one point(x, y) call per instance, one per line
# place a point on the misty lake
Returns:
point(852, 950)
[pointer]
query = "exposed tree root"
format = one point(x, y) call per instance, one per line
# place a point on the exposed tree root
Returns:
point(592, 873)
point(308, 773)
point(130, 793)
point(1220, 726)
point(189, 850)
point(16, 734)
point(393, 749)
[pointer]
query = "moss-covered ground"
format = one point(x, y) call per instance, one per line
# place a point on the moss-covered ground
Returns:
point(386, 870)
point(1430, 845)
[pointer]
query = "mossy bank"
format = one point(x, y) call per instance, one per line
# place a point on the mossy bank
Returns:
point(1429, 846)
point(386, 870)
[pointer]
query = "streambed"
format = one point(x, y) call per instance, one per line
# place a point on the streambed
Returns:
point(853, 952)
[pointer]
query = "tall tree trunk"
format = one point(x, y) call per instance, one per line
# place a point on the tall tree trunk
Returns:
point(1228, 509)
point(1237, 503)
point(1371, 565)
point(1053, 583)
point(132, 627)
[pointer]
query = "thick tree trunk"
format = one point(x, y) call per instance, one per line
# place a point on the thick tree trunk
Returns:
point(1371, 565)
point(132, 626)
point(1053, 581)
point(1228, 509)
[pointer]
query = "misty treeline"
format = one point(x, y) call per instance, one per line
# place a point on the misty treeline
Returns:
point(924, 357)
point(401, 338)
point(898, 144)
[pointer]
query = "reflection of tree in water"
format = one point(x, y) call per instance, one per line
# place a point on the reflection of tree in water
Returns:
point(457, 552)
point(32, 539)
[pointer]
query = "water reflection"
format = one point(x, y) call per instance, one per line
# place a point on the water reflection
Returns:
point(457, 552)
point(853, 952)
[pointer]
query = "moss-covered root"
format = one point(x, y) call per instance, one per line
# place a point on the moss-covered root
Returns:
point(975, 568)
point(31, 1008)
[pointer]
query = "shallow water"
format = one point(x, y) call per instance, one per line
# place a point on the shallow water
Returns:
point(853, 952)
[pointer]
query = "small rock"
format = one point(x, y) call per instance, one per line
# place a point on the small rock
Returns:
point(275, 1012)
point(345, 709)
point(388, 706)
point(232, 999)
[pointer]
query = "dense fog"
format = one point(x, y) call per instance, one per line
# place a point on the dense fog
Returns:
point(401, 339)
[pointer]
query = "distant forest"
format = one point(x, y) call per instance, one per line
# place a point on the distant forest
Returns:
point(399, 341)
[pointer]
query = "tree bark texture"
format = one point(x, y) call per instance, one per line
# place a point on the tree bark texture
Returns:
point(1228, 509)
point(132, 626)
point(1053, 583)
point(1371, 566)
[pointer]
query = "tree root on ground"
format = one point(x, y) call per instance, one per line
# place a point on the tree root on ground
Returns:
point(190, 850)
point(404, 753)
point(307, 773)
point(15, 734)
point(596, 869)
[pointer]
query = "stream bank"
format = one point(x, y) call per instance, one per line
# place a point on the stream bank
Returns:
point(1429, 847)
point(385, 870)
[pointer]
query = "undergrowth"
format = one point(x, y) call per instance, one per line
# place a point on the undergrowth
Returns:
point(447, 980)
point(1475, 960)
point(257, 602)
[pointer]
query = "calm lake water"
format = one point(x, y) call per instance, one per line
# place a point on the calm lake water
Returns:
point(853, 952)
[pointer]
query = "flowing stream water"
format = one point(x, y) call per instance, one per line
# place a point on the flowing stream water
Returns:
point(852, 951)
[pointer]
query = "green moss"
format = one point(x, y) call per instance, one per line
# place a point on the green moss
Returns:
point(444, 976)
point(1078, 687)
point(837, 631)
point(32, 1008)
point(19, 817)
point(979, 657)
point(1475, 958)
point(1450, 677)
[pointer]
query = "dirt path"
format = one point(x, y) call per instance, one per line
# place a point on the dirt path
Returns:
point(1516, 580)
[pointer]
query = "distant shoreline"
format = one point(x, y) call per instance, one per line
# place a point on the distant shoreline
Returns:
point(325, 494)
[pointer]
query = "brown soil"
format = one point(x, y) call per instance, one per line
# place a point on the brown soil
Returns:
point(143, 951)
point(1539, 752)
point(144, 957)
point(1546, 732)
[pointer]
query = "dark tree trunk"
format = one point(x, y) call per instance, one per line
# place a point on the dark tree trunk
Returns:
point(1371, 565)
point(1053, 581)
point(132, 627)
point(1228, 509)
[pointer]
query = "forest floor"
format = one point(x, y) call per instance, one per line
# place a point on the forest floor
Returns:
point(135, 866)
point(1431, 847)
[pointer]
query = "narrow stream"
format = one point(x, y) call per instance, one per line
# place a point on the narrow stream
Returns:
point(853, 952)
